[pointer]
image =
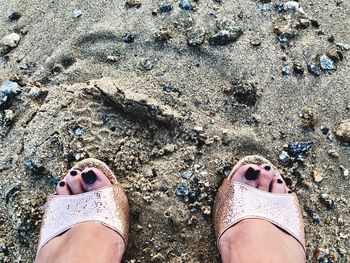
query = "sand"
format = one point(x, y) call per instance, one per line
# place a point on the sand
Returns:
point(159, 106)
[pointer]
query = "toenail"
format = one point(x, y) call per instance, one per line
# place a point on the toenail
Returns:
point(62, 183)
point(251, 174)
point(279, 181)
point(73, 173)
point(267, 167)
point(89, 177)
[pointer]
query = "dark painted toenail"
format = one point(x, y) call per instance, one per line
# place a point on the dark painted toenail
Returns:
point(62, 184)
point(267, 167)
point(73, 173)
point(289, 191)
point(89, 177)
point(251, 174)
point(279, 181)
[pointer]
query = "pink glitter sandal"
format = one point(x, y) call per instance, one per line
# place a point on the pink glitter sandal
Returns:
point(107, 205)
point(236, 201)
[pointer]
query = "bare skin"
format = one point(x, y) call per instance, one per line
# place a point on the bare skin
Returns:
point(93, 242)
point(246, 241)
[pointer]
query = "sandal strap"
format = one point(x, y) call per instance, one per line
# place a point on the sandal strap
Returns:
point(236, 201)
point(107, 205)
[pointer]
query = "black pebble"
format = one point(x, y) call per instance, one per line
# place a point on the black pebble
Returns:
point(128, 38)
point(15, 16)
point(251, 174)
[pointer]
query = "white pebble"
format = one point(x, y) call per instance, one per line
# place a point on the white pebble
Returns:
point(10, 40)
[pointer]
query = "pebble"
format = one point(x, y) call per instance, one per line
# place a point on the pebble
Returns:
point(146, 64)
point(79, 131)
point(255, 41)
point(284, 157)
point(286, 70)
point(182, 190)
point(133, 3)
point(297, 149)
point(186, 174)
point(195, 36)
point(128, 38)
point(291, 5)
point(225, 37)
point(163, 34)
point(314, 69)
point(198, 129)
point(326, 62)
point(185, 5)
point(346, 172)
point(9, 116)
point(34, 92)
point(327, 201)
point(10, 88)
point(166, 8)
point(77, 13)
point(345, 47)
point(316, 176)
point(3, 101)
point(113, 58)
point(298, 68)
point(105, 118)
point(171, 89)
point(342, 131)
point(15, 16)
point(10, 40)
point(316, 217)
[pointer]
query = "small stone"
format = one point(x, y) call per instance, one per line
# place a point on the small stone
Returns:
point(326, 62)
point(335, 55)
point(333, 153)
point(342, 131)
point(163, 34)
point(34, 92)
point(304, 23)
point(327, 201)
point(4, 101)
point(255, 41)
point(182, 190)
point(346, 172)
point(15, 16)
point(186, 174)
point(128, 38)
point(297, 149)
point(185, 5)
point(195, 36)
point(171, 89)
point(286, 70)
point(316, 176)
point(298, 68)
point(9, 116)
point(291, 5)
point(133, 3)
point(284, 157)
point(324, 130)
point(316, 217)
point(198, 129)
point(10, 40)
point(314, 69)
point(113, 58)
point(338, 2)
point(342, 251)
point(105, 118)
point(77, 13)
point(225, 37)
point(243, 92)
point(166, 8)
point(146, 64)
point(345, 47)
point(331, 39)
point(169, 148)
point(206, 210)
point(79, 131)
point(10, 88)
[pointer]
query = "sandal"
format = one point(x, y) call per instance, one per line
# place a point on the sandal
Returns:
point(282, 210)
point(107, 205)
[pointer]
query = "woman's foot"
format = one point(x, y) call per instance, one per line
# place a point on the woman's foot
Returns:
point(256, 240)
point(86, 242)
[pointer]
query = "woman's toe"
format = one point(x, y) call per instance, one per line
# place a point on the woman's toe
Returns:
point(93, 178)
point(248, 174)
point(277, 184)
point(266, 177)
point(62, 188)
point(73, 179)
